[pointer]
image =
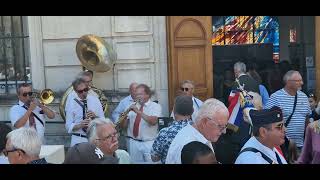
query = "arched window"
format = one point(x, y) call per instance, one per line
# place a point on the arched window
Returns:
point(229, 30)
point(14, 62)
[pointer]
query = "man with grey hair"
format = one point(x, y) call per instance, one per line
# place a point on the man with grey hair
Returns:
point(229, 144)
point(244, 79)
point(126, 102)
point(102, 133)
point(23, 147)
point(187, 88)
point(295, 107)
point(210, 123)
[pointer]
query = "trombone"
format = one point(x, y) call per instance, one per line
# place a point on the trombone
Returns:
point(46, 96)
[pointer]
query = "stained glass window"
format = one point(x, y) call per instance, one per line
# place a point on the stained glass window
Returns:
point(246, 30)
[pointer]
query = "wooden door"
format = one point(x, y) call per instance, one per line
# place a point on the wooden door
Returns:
point(190, 54)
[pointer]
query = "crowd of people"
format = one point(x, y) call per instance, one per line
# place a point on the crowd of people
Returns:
point(252, 128)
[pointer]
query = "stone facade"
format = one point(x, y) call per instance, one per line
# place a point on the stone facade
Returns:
point(140, 44)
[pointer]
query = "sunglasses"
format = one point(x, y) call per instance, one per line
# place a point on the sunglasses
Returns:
point(83, 90)
point(280, 126)
point(311, 95)
point(6, 152)
point(185, 89)
point(27, 94)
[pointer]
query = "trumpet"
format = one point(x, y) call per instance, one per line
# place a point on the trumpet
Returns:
point(46, 96)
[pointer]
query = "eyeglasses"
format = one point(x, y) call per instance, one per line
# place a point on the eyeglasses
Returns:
point(221, 128)
point(83, 90)
point(185, 89)
point(296, 80)
point(6, 152)
point(311, 95)
point(116, 135)
point(280, 126)
point(27, 94)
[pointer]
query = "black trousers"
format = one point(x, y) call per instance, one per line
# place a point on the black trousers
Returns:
point(229, 145)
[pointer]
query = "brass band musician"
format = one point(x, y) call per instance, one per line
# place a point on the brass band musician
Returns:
point(86, 76)
point(142, 125)
point(29, 112)
point(124, 103)
point(80, 111)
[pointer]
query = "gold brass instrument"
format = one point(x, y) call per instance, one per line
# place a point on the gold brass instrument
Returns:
point(97, 55)
point(122, 118)
point(64, 101)
point(102, 98)
point(46, 96)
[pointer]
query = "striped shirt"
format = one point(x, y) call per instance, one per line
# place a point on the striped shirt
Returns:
point(296, 127)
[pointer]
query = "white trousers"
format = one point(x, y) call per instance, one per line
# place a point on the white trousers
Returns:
point(140, 151)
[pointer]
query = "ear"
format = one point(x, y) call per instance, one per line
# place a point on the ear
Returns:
point(20, 154)
point(205, 122)
point(263, 132)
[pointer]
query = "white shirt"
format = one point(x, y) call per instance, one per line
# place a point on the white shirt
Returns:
point(123, 156)
point(147, 131)
point(196, 106)
point(73, 95)
point(17, 111)
point(249, 157)
point(74, 112)
point(124, 103)
point(4, 160)
point(184, 136)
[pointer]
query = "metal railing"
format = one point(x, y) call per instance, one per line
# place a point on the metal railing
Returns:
point(14, 62)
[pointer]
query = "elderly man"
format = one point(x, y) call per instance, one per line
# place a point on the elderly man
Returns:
point(210, 123)
point(126, 102)
point(240, 73)
point(23, 147)
point(88, 153)
point(187, 88)
point(142, 125)
point(80, 111)
point(294, 105)
point(29, 112)
point(182, 112)
point(229, 144)
point(268, 133)
point(102, 133)
point(4, 131)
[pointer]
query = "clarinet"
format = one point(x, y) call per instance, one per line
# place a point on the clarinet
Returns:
point(85, 105)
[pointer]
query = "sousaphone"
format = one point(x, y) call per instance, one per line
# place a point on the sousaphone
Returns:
point(97, 55)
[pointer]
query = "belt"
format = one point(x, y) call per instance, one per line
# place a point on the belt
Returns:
point(80, 135)
point(140, 140)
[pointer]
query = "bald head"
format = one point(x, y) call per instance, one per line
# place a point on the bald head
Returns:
point(132, 89)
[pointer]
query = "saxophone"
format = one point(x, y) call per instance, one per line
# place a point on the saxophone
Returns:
point(123, 117)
